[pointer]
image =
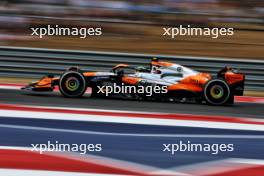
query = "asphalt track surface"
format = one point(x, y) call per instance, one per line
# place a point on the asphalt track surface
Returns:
point(250, 110)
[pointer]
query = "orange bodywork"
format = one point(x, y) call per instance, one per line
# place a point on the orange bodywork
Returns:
point(232, 78)
point(199, 79)
point(45, 82)
point(191, 83)
point(87, 74)
point(188, 87)
point(130, 80)
point(120, 66)
point(163, 64)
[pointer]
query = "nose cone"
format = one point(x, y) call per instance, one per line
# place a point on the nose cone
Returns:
point(29, 87)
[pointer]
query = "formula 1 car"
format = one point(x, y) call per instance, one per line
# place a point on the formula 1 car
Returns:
point(174, 82)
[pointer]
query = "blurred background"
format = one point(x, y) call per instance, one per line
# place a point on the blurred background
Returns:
point(137, 25)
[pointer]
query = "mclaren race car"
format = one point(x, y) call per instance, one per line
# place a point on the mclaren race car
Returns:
point(173, 82)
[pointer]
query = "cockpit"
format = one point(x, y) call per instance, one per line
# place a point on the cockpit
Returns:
point(170, 69)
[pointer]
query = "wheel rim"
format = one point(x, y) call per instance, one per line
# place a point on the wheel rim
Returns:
point(72, 84)
point(217, 92)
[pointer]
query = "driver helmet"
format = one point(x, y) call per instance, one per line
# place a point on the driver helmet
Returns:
point(155, 59)
point(155, 70)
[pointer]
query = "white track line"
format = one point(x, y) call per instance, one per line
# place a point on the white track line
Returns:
point(24, 127)
point(10, 87)
point(130, 120)
point(28, 172)
point(134, 112)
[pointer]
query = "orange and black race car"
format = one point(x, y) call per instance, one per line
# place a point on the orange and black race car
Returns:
point(161, 81)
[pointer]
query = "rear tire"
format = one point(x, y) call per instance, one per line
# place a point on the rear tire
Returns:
point(217, 92)
point(72, 84)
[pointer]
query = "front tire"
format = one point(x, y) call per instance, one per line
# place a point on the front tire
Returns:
point(217, 92)
point(72, 84)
